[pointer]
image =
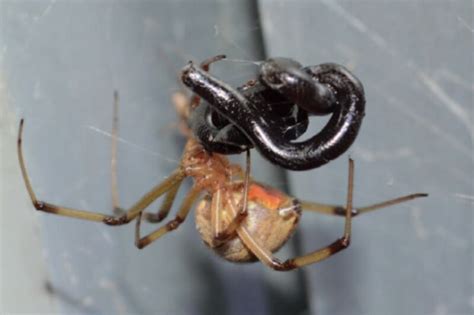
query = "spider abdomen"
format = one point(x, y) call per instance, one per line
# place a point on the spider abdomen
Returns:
point(272, 216)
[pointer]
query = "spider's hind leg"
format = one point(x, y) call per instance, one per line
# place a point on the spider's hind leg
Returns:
point(266, 257)
point(341, 210)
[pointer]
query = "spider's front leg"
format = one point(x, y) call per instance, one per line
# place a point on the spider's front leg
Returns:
point(205, 65)
point(130, 214)
point(118, 211)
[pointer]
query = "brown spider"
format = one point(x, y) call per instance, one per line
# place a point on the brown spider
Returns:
point(240, 219)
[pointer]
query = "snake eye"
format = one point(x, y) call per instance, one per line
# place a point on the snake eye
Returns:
point(274, 79)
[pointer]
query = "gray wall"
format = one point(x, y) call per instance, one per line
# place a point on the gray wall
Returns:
point(59, 64)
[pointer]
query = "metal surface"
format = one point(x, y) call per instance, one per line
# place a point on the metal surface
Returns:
point(415, 61)
point(60, 62)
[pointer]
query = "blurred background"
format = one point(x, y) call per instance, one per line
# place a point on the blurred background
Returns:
point(60, 62)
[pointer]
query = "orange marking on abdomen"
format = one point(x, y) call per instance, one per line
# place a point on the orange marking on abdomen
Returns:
point(270, 198)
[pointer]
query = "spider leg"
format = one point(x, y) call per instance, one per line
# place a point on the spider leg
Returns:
point(118, 211)
point(165, 206)
point(205, 65)
point(171, 225)
point(341, 210)
point(131, 213)
point(248, 84)
point(266, 257)
point(113, 160)
point(220, 234)
point(217, 220)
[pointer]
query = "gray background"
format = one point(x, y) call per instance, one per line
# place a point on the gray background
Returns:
point(59, 64)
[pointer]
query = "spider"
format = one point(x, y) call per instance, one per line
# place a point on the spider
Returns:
point(272, 111)
point(239, 218)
